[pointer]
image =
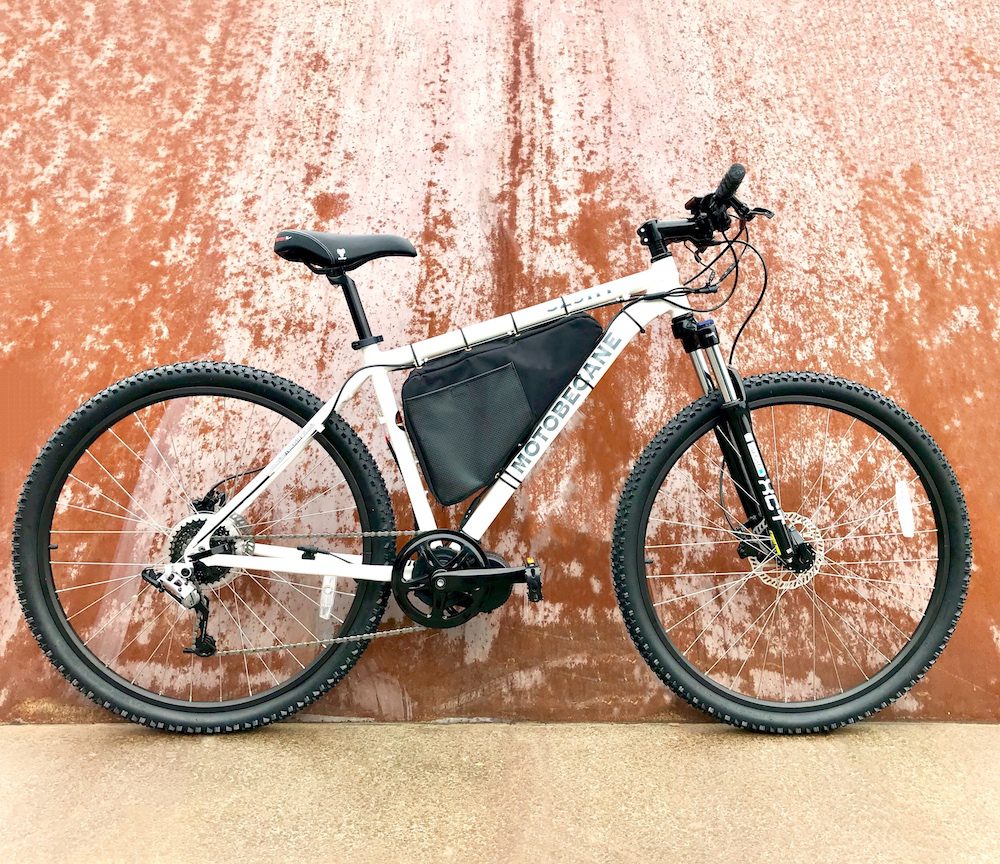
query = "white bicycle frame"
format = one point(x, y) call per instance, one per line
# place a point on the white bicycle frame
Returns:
point(662, 276)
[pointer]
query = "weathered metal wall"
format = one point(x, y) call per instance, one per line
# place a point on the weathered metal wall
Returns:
point(149, 153)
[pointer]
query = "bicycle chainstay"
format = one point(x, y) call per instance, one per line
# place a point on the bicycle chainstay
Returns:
point(338, 640)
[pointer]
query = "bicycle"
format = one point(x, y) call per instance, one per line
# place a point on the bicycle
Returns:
point(791, 552)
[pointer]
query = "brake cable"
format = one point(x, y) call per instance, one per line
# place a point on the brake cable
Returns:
point(756, 305)
point(710, 287)
point(727, 242)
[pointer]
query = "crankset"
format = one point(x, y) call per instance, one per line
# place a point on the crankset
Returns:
point(444, 578)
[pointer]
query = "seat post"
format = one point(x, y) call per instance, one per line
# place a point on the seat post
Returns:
point(357, 311)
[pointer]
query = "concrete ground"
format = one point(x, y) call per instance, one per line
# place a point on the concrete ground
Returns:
point(500, 793)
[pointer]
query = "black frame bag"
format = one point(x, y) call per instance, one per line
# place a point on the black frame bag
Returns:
point(467, 413)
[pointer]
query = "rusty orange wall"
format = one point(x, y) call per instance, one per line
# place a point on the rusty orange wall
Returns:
point(150, 151)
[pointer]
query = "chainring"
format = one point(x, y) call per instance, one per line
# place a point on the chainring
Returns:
point(417, 590)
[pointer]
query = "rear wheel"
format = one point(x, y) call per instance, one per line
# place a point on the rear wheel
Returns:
point(127, 481)
point(756, 645)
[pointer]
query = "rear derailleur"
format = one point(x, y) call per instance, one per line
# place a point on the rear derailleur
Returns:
point(176, 580)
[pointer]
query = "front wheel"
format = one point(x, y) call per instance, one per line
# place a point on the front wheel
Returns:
point(761, 647)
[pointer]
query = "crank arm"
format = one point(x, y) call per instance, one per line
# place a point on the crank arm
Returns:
point(530, 574)
point(471, 578)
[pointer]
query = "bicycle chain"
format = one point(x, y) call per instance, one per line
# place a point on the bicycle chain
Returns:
point(343, 536)
point(338, 640)
point(361, 637)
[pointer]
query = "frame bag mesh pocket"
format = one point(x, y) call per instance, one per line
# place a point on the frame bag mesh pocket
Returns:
point(467, 413)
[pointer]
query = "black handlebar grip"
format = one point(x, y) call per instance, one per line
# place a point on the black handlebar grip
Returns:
point(730, 183)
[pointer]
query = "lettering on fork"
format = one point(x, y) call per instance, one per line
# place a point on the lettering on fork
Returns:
point(767, 492)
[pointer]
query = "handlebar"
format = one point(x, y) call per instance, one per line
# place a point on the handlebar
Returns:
point(730, 183)
point(709, 214)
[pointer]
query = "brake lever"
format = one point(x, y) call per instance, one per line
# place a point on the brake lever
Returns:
point(747, 214)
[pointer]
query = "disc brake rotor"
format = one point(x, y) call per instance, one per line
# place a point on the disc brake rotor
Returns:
point(786, 580)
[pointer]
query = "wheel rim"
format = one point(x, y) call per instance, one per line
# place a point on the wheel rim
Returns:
point(727, 611)
point(137, 457)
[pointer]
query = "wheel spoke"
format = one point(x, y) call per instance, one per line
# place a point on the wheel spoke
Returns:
point(875, 439)
point(303, 516)
point(852, 628)
point(152, 654)
point(244, 641)
point(141, 632)
point(156, 528)
point(265, 441)
point(688, 575)
point(739, 638)
point(180, 486)
point(145, 464)
point(283, 606)
point(722, 590)
point(880, 584)
point(277, 578)
point(728, 531)
point(882, 615)
point(863, 492)
point(135, 516)
point(822, 469)
point(128, 495)
point(767, 647)
point(715, 617)
point(702, 591)
point(826, 631)
point(92, 584)
point(105, 596)
point(277, 641)
point(691, 543)
point(128, 605)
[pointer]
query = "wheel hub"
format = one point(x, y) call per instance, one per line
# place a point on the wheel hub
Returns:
point(233, 535)
point(784, 579)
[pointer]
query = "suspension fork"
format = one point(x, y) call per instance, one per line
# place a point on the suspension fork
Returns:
point(735, 436)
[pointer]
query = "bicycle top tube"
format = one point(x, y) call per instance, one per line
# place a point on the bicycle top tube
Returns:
point(661, 276)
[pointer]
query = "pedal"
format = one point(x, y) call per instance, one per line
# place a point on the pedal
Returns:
point(533, 580)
